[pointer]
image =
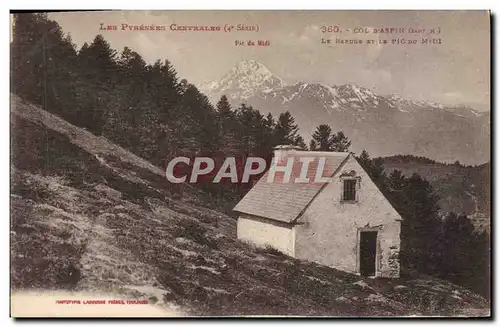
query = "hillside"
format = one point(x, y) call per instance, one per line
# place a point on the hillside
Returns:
point(461, 189)
point(89, 216)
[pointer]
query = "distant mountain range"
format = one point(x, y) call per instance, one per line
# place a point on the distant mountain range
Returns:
point(461, 189)
point(383, 125)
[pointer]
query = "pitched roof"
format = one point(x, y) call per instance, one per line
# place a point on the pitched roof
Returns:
point(284, 201)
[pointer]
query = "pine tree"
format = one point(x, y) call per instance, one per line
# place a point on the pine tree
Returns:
point(420, 226)
point(131, 86)
point(203, 120)
point(98, 61)
point(270, 123)
point(299, 141)
point(364, 159)
point(286, 131)
point(340, 142)
point(223, 106)
point(378, 174)
point(269, 129)
point(165, 92)
point(170, 76)
point(28, 56)
point(42, 63)
point(464, 254)
point(99, 70)
point(322, 139)
point(396, 181)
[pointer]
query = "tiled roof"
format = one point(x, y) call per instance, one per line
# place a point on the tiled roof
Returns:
point(282, 201)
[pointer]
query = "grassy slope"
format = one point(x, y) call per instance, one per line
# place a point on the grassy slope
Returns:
point(461, 189)
point(88, 215)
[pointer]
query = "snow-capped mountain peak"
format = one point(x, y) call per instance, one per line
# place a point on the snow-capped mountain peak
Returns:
point(382, 124)
point(464, 110)
point(249, 80)
point(243, 80)
point(414, 106)
point(251, 67)
point(347, 97)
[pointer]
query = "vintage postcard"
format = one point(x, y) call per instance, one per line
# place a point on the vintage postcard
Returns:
point(250, 164)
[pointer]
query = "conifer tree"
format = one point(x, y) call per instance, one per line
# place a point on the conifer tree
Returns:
point(42, 62)
point(364, 159)
point(299, 141)
point(464, 254)
point(286, 130)
point(340, 142)
point(322, 139)
point(420, 226)
point(98, 67)
point(223, 106)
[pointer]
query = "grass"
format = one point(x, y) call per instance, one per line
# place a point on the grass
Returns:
point(42, 257)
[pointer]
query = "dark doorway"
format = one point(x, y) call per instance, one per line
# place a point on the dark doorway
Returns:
point(367, 253)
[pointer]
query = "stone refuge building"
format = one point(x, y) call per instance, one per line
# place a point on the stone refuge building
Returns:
point(345, 222)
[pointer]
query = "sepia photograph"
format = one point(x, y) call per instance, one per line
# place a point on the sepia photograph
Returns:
point(250, 163)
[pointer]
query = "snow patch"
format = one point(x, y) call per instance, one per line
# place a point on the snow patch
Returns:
point(342, 299)
point(319, 280)
point(210, 269)
point(376, 298)
point(186, 253)
point(216, 290)
point(362, 284)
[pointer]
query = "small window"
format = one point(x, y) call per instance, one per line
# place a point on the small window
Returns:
point(349, 190)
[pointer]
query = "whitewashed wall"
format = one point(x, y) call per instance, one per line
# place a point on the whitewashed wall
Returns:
point(262, 232)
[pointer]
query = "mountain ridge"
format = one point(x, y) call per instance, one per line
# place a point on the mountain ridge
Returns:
point(244, 79)
point(461, 189)
point(382, 124)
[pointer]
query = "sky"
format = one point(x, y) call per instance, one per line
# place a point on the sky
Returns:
point(457, 71)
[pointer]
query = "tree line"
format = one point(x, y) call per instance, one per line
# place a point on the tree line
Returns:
point(446, 246)
point(149, 110)
point(145, 108)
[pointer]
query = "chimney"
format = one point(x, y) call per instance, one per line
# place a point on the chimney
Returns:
point(283, 151)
